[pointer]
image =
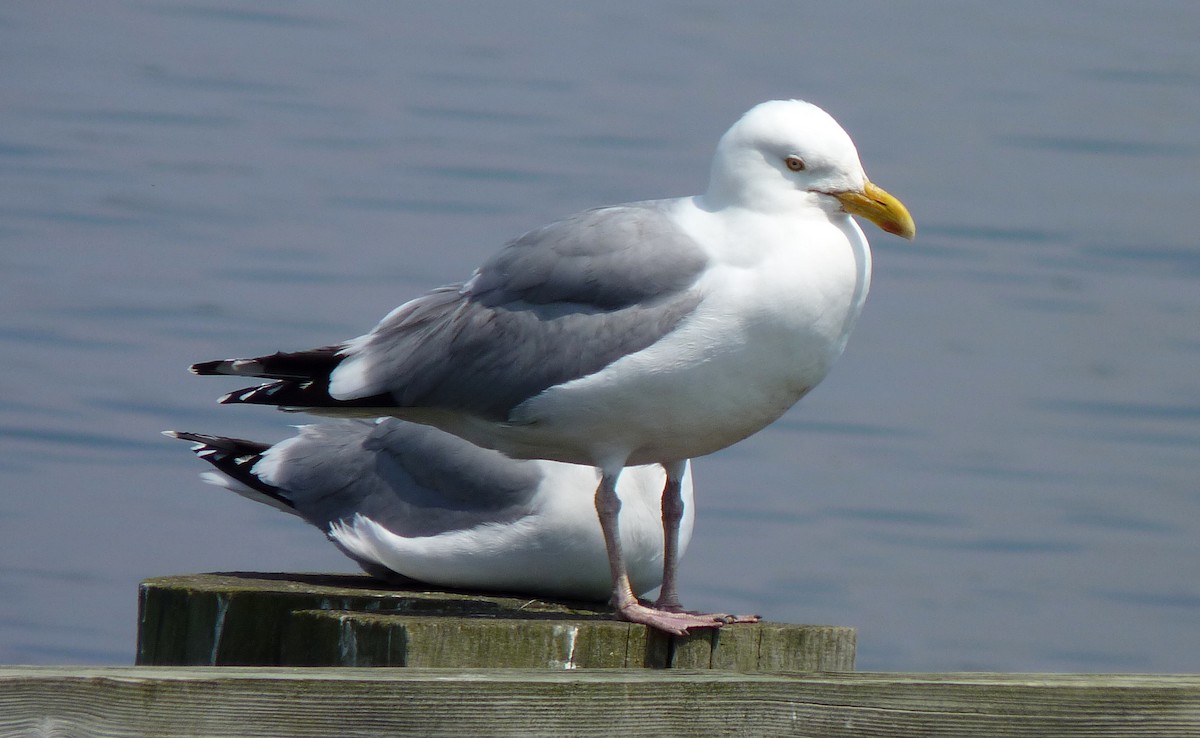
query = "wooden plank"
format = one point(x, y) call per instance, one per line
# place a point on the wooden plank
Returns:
point(316, 620)
point(150, 701)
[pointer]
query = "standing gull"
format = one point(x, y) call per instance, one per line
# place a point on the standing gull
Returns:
point(651, 332)
point(409, 502)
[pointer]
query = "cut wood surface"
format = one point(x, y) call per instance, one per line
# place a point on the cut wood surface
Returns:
point(316, 702)
point(241, 619)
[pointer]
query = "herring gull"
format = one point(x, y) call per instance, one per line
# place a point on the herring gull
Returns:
point(409, 502)
point(646, 333)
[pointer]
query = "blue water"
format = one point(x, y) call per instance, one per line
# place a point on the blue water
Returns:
point(1002, 473)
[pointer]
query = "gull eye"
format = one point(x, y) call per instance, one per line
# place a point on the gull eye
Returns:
point(795, 163)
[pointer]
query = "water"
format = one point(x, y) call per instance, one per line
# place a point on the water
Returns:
point(1001, 473)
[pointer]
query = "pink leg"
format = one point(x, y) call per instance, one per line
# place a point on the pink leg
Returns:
point(608, 507)
point(672, 514)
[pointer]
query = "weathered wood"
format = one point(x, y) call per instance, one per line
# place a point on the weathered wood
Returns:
point(338, 638)
point(240, 619)
point(322, 620)
point(147, 701)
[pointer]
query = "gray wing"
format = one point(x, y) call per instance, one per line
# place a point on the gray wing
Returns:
point(559, 303)
point(412, 479)
point(607, 258)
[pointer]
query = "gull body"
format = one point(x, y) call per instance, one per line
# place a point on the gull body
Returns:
point(408, 502)
point(751, 348)
point(651, 332)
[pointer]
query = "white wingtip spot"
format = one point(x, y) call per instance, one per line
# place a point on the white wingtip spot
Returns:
point(239, 396)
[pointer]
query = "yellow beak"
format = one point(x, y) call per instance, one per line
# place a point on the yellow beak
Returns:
point(877, 206)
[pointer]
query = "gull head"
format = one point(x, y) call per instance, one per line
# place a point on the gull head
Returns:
point(790, 155)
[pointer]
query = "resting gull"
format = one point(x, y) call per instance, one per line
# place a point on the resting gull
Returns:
point(409, 502)
point(646, 333)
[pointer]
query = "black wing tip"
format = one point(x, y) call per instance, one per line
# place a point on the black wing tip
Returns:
point(222, 443)
point(228, 367)
point(299, 396)
point(201, 440)
point(235, 458)
point(208, 368)
point(314, 364)
point(262, 394)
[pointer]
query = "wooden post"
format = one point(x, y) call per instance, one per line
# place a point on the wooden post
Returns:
point(342, 620)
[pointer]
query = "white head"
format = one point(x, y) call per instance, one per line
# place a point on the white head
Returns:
point(792, 155)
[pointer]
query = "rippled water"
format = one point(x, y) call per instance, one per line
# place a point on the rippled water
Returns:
point(1002, 472)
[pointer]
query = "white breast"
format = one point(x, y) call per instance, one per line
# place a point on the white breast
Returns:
point(780, 300)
